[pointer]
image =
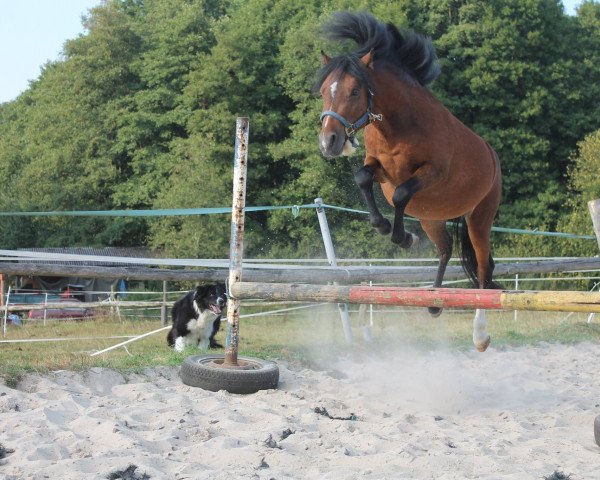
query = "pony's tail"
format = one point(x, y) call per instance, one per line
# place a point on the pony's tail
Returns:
point(468, 259)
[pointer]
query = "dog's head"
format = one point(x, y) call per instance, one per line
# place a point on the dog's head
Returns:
point(211, 297)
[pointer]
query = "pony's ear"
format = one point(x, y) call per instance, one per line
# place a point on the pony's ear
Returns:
point(367, 59)
point(326, 58)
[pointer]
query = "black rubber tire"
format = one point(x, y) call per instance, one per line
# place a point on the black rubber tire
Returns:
point(597, 430)
point(209, 373)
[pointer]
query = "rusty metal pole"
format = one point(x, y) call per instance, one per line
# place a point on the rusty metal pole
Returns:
point(236, 247)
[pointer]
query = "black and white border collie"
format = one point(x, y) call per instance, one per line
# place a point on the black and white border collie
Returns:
point(197, 318)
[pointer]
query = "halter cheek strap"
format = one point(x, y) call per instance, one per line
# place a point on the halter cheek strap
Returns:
point(351, 128)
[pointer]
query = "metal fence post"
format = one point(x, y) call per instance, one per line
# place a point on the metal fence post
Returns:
point(163, 308)
point(236, 248)
point(45, 311)
point(330, 252)
point(516, 288)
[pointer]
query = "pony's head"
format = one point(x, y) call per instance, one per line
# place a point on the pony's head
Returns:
point(346, 81)
point(346, 93)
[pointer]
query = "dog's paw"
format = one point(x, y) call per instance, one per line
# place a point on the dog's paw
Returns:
point(179, 344)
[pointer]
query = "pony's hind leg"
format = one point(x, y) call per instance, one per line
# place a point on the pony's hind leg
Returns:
point(437, 233)
point(364, 180)
point(479, 226)
point(481, 338)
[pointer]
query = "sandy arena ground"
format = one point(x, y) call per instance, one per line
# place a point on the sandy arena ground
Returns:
point(516, 413)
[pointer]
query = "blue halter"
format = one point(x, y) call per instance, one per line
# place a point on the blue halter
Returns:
point(351, 128)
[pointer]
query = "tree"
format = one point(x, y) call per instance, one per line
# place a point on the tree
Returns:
point(140, 113)
point(238, 77)
point(152, 118)
point(585, 186)
point(501, 78)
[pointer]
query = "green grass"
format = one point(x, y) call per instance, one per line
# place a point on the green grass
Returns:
point(312, 338)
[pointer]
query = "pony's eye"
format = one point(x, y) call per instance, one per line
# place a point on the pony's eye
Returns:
point(355, 92)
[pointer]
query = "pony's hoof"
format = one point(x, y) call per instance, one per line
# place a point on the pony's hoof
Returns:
point(435, 311)
point(415, 240)
point(384, 227)
point(409, 240)
point(482, 346)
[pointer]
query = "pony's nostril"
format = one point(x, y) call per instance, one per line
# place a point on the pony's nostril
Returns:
point(332, 139)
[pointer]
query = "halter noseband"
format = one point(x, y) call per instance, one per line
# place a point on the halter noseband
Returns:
point(351, 128)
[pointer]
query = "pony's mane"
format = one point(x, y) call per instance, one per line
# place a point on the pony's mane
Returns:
point(411, 52)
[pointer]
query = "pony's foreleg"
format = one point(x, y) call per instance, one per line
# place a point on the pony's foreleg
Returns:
point(364, 180)
point(401, 197)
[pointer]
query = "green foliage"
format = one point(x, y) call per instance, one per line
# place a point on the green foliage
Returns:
point(585, 185)
point(508, 71)
point(140, 113)
point(575, 217)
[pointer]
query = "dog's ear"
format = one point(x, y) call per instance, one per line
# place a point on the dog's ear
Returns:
point(201, 291)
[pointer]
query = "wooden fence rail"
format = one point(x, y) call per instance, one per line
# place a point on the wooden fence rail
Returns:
point(343, 275)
